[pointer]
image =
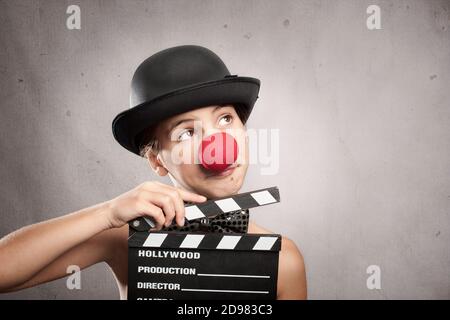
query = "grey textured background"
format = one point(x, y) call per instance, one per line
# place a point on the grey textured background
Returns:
point(363, 115)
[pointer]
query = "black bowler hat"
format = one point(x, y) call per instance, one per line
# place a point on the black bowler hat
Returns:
point(177, 80)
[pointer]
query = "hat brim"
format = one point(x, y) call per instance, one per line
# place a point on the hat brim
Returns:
point(128, 124)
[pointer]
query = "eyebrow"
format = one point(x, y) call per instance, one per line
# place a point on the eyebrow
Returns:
point(219, 107)
point(177, 123)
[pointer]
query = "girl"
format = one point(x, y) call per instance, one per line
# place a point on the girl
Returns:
point(42, 252)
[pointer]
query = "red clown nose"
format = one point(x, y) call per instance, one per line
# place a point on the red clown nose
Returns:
point(218, 151)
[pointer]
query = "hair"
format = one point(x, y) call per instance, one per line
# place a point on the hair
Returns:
point(149, 143)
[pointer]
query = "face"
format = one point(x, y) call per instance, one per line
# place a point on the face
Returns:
point(179, 138)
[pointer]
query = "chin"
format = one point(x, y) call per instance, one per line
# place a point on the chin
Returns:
point(223, 186)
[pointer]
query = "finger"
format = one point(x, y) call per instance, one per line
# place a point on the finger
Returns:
point(155, 212)
point(179, 204)
point(190, 196)
point(179, 195)
point(165, 202)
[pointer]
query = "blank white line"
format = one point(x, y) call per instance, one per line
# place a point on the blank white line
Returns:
point(232, 291)
point(230, 275)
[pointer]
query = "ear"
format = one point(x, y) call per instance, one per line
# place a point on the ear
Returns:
point(157, 164)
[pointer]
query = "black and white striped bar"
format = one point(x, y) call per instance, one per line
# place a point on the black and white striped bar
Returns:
point(207, 241)
point(212, 208)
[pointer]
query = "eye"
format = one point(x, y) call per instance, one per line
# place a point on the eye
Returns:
point(226, 119)
point(186, 134)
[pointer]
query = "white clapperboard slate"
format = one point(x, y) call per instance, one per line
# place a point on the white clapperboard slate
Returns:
point(194, 265)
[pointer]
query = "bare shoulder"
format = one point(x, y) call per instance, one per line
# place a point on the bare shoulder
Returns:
point(291, 272)
point(287, 245)
point(254, 228)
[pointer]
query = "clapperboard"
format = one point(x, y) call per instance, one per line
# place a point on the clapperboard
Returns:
point(198, 265)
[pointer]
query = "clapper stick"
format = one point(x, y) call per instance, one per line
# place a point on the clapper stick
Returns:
point(212, 208)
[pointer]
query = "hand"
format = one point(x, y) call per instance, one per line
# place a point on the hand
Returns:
point(152, 199)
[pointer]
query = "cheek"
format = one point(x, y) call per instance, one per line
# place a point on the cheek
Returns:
point(181, 162)
point(189, 171)
point(243, 146)
point(182, 154)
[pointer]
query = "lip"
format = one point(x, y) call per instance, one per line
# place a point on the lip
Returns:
point(224, 173)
